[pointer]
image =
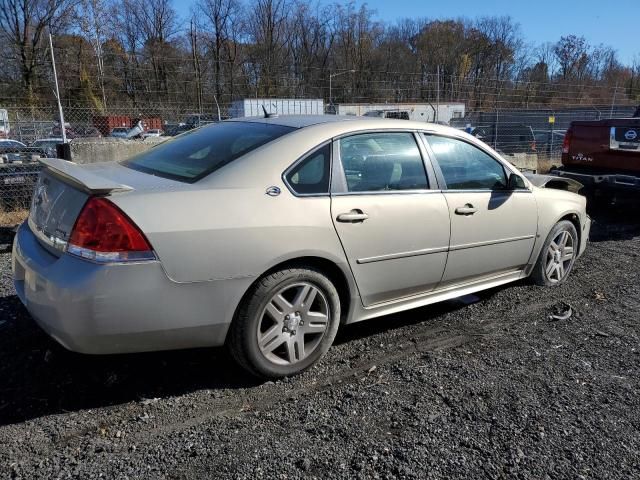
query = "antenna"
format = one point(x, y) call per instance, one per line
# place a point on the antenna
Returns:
point(267, 114)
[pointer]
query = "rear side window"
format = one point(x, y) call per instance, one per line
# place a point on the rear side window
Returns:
point(382, 161)
point(199, 152)
point(311, 175)
point(465, 167)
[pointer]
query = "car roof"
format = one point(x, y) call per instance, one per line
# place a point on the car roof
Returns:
point(346, 122)
point(296, 121)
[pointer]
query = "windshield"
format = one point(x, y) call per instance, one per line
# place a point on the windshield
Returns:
point(199, 152)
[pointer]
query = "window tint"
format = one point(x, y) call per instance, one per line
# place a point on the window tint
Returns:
point(465, 166)
point(311, 175)
point(199, 152)
point(382, 161)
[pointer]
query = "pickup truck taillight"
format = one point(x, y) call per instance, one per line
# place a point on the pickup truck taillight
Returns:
point(103, 233)
point(567, 141)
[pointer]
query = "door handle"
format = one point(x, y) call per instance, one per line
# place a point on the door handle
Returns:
point(468, 209)
point(352, 217)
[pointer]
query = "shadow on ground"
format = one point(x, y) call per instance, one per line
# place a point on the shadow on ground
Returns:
point(39, 377)
point(614, 222)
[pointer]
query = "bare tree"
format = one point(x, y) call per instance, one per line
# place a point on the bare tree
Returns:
point(93, 22)
point(220, 18)
point(23, 23)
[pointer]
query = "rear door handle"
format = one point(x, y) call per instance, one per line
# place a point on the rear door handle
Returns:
point(468, 209)
point(352, 217)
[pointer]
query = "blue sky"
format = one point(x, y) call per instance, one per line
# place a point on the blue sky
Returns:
point(612, 22)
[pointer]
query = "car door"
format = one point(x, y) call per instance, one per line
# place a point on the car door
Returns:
point(493, 227)
point(394, 229)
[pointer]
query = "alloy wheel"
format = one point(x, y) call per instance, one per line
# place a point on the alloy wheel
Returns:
point(560, 257)
point(293, 323)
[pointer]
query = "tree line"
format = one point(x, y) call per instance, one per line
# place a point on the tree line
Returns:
point(140, 54)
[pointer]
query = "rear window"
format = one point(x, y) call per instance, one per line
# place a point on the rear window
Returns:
point(199, 152)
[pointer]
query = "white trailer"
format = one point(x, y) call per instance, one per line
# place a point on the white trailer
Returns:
point(252, 107)
point(421, 112)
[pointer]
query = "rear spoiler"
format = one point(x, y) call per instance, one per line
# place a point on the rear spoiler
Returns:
point(82, 178)
point(554, 181)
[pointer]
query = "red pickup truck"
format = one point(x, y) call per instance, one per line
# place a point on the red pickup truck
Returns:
point(604, 156)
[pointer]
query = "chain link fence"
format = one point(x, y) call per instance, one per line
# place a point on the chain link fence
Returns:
point(534, 134)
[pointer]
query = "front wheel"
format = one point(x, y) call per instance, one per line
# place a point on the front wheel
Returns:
point(285, 323)
point(557, 256)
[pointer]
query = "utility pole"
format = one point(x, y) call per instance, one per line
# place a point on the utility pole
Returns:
point(613, 100)
point(331, 75)
point(196, 65)
point(438, 94)
point(55, 77)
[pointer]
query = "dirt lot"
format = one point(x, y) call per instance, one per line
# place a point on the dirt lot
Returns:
point(486, 387)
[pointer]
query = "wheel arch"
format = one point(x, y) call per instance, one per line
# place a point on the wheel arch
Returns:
point(343, 281)
point(574, 218)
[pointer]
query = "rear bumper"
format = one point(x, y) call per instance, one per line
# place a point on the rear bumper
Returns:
point(119, 308)
point(593, 181)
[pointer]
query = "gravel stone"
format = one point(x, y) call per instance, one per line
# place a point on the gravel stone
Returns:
point(485, 387)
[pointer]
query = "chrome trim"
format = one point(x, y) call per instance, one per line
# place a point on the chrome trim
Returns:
point(465, 246)
point(440, 294)
point(52, 241)
point(488, 190)
point(386, 192)
point(630, 146)
point(393, 256)
point(429, 251)
point(103, 258)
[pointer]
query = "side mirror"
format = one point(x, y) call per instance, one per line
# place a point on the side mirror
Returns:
point(516, 182)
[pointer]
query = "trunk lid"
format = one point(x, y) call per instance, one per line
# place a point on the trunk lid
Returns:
point(63, 188)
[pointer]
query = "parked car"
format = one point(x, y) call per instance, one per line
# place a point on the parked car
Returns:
point(509, 138)
point(267, 234)
point(83, 131)
point(20, 153)
point(5, 143)
point(120, 132)
point(603, 155)
point(48, 145)
point(154, 132)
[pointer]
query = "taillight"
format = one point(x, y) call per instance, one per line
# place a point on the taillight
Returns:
point(567, 141)
point(104, 233)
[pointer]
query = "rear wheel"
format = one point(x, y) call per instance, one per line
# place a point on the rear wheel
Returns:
point(285, 323)
point(557, 256)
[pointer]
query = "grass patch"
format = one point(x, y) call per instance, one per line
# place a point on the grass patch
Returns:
point(13, 218)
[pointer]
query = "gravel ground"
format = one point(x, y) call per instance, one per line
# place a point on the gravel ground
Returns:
point(486, 386)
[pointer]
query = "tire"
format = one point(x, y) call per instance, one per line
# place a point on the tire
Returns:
point(285, 323)
point(554, 265)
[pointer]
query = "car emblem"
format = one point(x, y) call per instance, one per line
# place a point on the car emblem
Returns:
point(273, 191)
point(631, 135)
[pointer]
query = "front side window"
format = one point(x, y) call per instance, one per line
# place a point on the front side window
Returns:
point(466, 167)
point(197, 153)
point(311, 175)
point(382, 161)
